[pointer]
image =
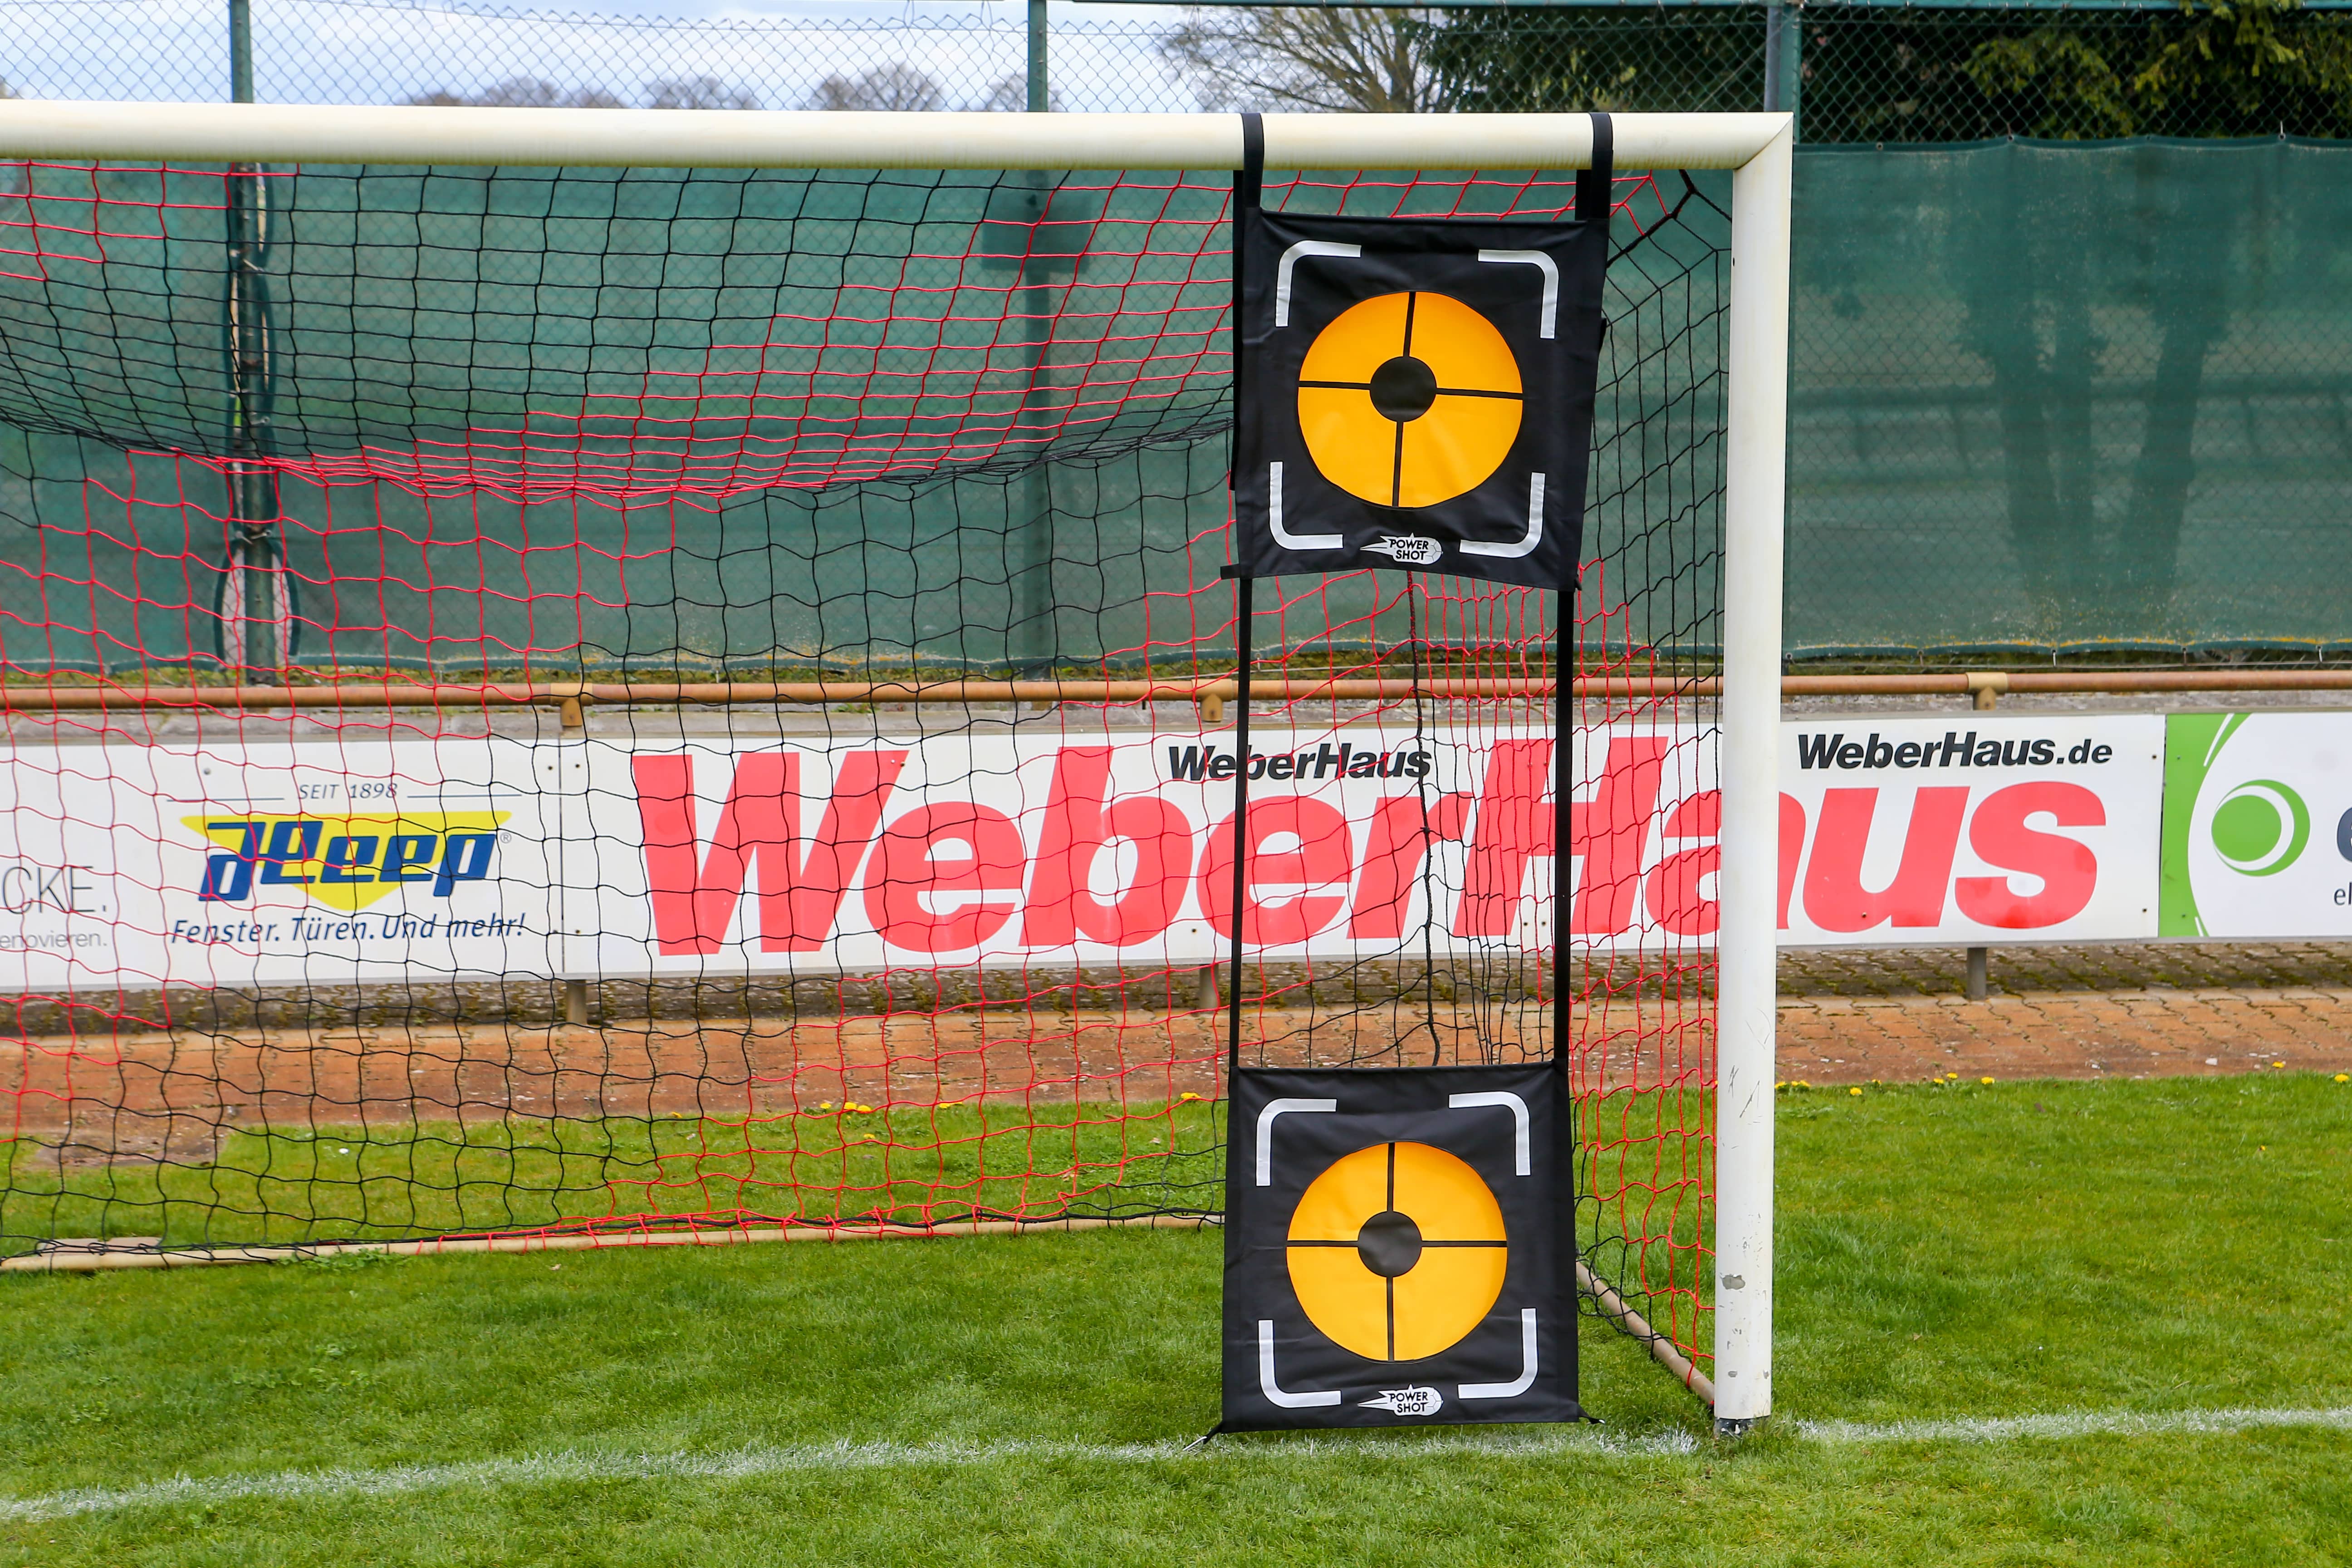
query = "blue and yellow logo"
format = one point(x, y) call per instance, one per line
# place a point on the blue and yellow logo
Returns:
point(347, 862)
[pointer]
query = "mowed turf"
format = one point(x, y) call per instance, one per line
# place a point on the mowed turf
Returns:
point(1963, 1252)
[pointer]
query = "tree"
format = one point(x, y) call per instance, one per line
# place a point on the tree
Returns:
point(696, 92)
point(1503, 60)
point(1294, 57)
point(1009, 95)
point(896, 86)
point(522, 92)
point(2209, 67)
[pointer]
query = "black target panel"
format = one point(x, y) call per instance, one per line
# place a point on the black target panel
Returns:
point(1416, 395)
point(1398, 1249)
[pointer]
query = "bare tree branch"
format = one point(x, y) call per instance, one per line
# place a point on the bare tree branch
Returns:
point(696, 92)
point(522, 92)
point(1369, 61)
point(895, 86)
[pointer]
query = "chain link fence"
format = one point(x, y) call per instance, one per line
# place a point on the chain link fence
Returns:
point(436, 51)
point(1855, 70)
point(1862, 71)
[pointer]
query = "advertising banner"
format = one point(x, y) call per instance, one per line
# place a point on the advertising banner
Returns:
point(1980, 831)
point(2258, 824)
point(133, 864)
point(1366, 842)
point(129, 865)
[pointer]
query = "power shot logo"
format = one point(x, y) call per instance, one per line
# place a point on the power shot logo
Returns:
point(346, 862)
point(1410, 550)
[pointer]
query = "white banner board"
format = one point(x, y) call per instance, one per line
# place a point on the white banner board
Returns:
point(129, 865)
point(2258, 826)
point(1930, 831)
point(134, 865)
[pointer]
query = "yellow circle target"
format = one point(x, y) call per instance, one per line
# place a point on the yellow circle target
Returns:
point(1409, 399)
point(1397, 1251)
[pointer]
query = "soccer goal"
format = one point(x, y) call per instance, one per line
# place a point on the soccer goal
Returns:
point(583, 678)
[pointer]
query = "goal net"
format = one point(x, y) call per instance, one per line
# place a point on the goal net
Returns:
point(641, 702)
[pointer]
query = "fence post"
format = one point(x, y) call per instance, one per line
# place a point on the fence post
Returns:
point(1039, 88)
point(240, 51)
point(1771, 57)
point(1791, 81)
point(257, 628)
point(1035, 624)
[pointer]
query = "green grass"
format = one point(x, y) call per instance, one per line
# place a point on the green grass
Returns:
point(393, 1179)
point(1964, 1252)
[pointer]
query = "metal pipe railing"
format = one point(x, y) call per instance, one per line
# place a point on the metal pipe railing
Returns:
point(1211, 692)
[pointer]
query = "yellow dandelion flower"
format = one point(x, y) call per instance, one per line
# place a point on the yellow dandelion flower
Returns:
point(2344, 1077)
point(1985, 1081)
point(1186, 1097)
point(2278, 1064)
point(1854, 1092)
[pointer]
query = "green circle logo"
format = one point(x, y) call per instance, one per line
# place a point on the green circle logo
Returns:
point(2259, 827)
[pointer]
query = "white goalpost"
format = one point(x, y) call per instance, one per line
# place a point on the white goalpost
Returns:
point(1757, 150)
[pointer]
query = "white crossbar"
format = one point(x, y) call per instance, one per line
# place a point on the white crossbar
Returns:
point(751, 138)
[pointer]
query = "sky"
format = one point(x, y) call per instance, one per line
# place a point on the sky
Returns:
point(384, 51)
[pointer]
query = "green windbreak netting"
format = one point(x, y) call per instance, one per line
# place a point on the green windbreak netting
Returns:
point(2046, 396)
point(655, 418)
point(2052, 396)
point(630, 419)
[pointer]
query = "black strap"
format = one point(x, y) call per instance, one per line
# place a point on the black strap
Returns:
point(1593, 199)
point(1249, 180)
point(1249, 184)
point(1592, 204)
point(1244, 618)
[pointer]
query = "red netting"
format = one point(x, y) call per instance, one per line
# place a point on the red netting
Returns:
point(546, 935)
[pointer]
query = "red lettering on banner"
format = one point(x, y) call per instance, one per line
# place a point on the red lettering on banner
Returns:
point(1514, 826)
point(2069, 871)
point(799, 898)
point(1401, 834)
point(983, 855)
point(1611, 831)
point(1078, 827)
point(1673, 896)
point(1325, 858)
point(1792, 850)
point(1835, 898)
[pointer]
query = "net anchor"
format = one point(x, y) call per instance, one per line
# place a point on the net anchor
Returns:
point(571, 702)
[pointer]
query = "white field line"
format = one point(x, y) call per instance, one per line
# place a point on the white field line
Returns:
point(2080, 1424)
point(741, 1464)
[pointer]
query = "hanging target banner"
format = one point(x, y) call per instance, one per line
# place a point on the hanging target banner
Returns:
point(1415, 394)
point(1399, 1248)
